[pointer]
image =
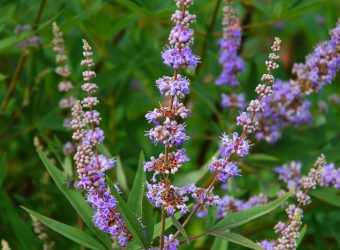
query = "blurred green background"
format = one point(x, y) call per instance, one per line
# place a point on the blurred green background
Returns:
point(127, 37)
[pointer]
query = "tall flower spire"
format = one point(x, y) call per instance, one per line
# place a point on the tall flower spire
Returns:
point(91, 166)
point(169, 129)
point(65, 85)
point(223, 167)
point(229, 45)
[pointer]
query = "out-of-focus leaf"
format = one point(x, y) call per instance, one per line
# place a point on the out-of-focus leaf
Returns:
point(237, 239)
point(261, 157)
point(132, 6)
point(23, 232)
point(130, 219)
point(210, 218)
point(219, 244)
point(195, 176)
point(69, 232)
point(302, 234)
point(74, 197)
point(3, 169)
point(3, 77)
point(308, 5)
point(329, 195)
point(181, 229)
point(242, 217)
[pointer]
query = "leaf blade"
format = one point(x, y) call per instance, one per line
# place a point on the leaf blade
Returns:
point(130, 219)
point(242, 217)
point(237, 239)
point(67, 231)
point(74, 197)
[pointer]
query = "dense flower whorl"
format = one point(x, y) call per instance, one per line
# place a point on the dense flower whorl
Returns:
point(224, 169)
point(179, 54)
point(170, 133)
point(177, 111)
point(168, 197)
point(174, 162)
point(91, 166)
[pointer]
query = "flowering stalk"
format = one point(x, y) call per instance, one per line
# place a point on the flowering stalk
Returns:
point(168, 129)
point(65, 85)
point(39, 230)
point(223, 168)
point(232, 64)
point(91, 165)
point(229, 45)
point(288, 104)
point(289, 231)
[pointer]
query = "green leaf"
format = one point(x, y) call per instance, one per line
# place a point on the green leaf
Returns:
point(242, 217)
point(121, 177)
point(180, 228)
point(302, 234)
point(74, 197)
point(2, 77)
point(196, 176)
point(22, 231)
point(69, 232)
point(138, 202)
point(237, 239)
point(3, 169)
point(137, 192)
point(262, 157)
point(219, 244)
point(328, 195)
point(210, 218)
point(130, 219)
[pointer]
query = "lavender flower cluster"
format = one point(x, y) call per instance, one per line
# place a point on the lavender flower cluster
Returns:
point(168, 129)
point(291, 175)
point(230, 204)
point(65, 85)
point(232, 64)
point(222, 167)
point(288, 106)
point(289, 231)
point(30, 42)
point(91, 166)
point(229, 45)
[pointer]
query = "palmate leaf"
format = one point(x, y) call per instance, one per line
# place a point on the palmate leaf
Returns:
point(75, 198)
point(237, 219)
point(131, 221)
point(138, 202)
point(237, 239)
point(69, 232)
